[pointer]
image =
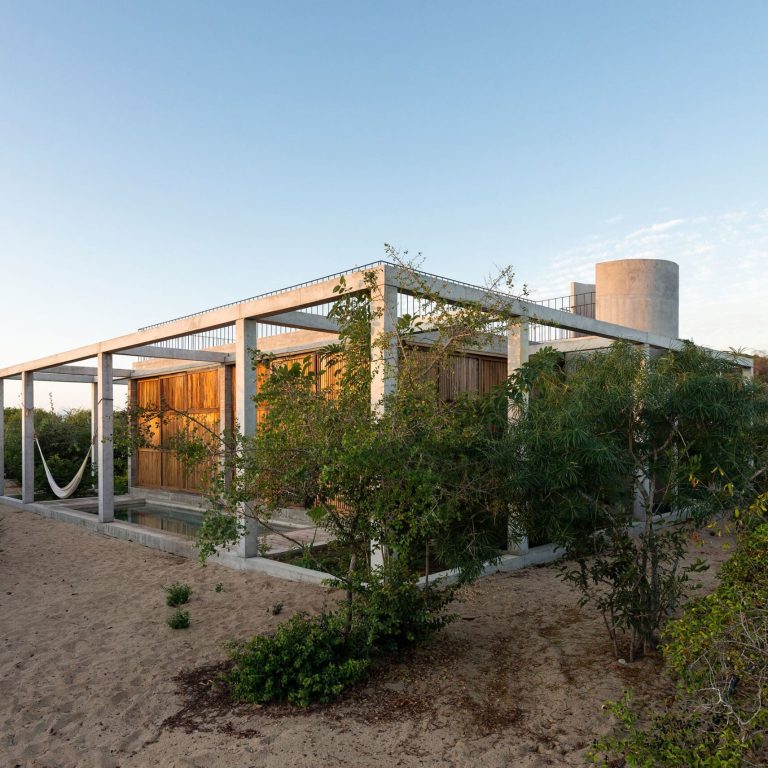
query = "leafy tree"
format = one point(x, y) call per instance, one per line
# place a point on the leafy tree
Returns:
point(620, 435)
point(409, 473)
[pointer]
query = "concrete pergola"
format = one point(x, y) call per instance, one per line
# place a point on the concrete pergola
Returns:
point(288, 309)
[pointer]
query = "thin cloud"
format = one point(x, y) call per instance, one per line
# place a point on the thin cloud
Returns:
point(723, 272)
point(655, 229)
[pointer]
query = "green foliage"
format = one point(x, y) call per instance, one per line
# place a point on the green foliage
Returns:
point(718, 653)
point(177, 594)
point(315, 658)
point(722, 631)
point(673, 739)
point(65, 438)
point(219, 587)
point(217, 530)
point(308, 659)
point(394, 613)
point(615, 580)
point(614, 434)
point(178, 619)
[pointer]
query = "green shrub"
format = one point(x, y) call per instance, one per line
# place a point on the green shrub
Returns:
point(177, 594)
point(718, 653)
point(679, 738)
point(396, 613)
point(315, 658)
point(307, 659)
point(710, 634)
point(749, 565)
point(178, 619)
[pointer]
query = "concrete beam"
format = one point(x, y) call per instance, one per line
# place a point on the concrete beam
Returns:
point(105, 447)
point(383, 340)
point(172, 353)
point(85, 370)
point(303, 321)
point(189, 365)
point(534, 313)
point(279, 304)
point(580, 343)
point(27, 438)
point(63, 378)
point(274, 304)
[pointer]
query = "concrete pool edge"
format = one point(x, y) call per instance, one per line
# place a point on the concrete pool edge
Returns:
point(176, 544)
point(171, 543)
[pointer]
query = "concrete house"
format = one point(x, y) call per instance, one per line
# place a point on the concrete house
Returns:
point(200, 363)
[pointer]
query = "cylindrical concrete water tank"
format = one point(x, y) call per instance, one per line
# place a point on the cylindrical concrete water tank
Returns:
point(639, 293)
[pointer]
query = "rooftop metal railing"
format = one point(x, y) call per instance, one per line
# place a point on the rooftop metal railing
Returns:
point(408, 303)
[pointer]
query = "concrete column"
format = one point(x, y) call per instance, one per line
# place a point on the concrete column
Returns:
point(27, 437)
point(105, 447)
point(384, 354)
point(642, 482)
point(94, 431)
point(225, 414)
point(132, 453)
point(383, 342)
point(518, 351)
point(246, 340)
point(2, 437)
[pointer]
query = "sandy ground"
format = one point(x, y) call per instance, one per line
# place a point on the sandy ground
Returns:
point(88, 667)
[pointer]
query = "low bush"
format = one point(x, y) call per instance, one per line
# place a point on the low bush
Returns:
point(315, 658)
point(396, 613)
point(177, 594)
point(309, 658)
point(718, 654)
point(178, 619)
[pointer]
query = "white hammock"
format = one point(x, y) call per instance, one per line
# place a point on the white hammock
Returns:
point(71, 487)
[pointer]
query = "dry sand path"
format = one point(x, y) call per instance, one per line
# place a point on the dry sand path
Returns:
point(87, 667)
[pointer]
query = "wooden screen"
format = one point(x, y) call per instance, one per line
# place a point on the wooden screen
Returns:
point(462, 374)
point(195, 393)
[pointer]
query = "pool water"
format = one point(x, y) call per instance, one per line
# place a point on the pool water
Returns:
point(170, 519)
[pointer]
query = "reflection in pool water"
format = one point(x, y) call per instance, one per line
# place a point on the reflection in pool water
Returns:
point(171, 519)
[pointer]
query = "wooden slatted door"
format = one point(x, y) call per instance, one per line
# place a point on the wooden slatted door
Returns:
point(149, 459)
point(195, 393)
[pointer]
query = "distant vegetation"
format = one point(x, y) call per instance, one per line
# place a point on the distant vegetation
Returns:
point(761, 368)
point(65, 438)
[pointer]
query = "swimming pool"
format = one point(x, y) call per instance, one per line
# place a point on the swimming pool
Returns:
point(171, 519)
point(184, 522)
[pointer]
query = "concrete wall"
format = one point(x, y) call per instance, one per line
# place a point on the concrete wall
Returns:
point(581, 301)
point(639, 293)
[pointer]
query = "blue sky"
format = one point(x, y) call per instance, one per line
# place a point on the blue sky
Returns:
point(159, 158)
